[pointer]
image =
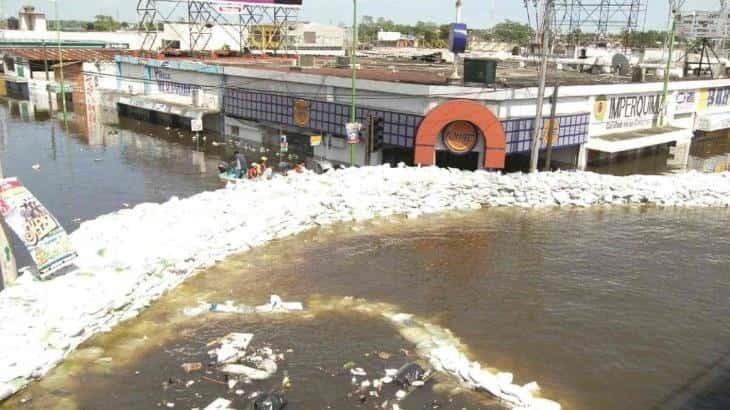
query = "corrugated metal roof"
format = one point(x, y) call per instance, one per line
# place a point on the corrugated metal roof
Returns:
point(69, 54)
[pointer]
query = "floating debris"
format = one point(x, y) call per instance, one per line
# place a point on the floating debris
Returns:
point(232, 347)
point(191, 367)
point(270, 401)
point(358, 371)
point(219, 404)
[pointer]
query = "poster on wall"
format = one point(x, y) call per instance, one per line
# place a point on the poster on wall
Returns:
point(621, 113)
point(46, 240)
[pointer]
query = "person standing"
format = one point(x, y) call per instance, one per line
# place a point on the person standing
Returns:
point(240, 164)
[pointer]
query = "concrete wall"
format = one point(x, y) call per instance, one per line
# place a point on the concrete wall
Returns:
point(131, 38)
point(325, 36)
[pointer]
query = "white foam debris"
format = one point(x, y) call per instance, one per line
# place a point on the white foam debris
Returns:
point(446, 354)
point(219, 404)
point(358, 371)
point(131, 257)
point(232, 347)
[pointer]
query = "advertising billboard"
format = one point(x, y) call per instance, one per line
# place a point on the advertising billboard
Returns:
point(238, 6)
point(46, 240)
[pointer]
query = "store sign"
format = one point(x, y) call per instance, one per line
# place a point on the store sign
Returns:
point(315, 140)
point(625, 112)
point(301, 113)
point(714, 99)
point(196, 125)
point(460, 137)
point(551, 131)
point(46, 240)
point(166, 84)
point(685, 102)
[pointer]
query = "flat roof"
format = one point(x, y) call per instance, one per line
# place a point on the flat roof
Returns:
point(401, 70)
point(51, 53)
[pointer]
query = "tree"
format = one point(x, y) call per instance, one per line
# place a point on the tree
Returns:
point(105, 23)
point(644, 39)
point(513, 32)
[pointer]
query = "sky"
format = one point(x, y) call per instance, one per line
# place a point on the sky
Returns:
point(477, 13)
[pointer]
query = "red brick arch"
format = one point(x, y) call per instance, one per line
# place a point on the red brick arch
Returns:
point(479, 115)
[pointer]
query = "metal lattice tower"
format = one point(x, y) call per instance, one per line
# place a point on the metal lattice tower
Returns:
point(201, 16)
point(599, 17)
point(147, 12)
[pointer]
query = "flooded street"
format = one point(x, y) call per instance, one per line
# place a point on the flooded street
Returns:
point(540, 293)
point(606, 308)
point(84, 174)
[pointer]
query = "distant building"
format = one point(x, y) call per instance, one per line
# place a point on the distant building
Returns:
point(30, 30)
point(301, 36)
point(30, 20)
point(396, 39)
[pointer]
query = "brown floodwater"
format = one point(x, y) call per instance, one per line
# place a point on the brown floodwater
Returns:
point(605, 309)
point(609, 308)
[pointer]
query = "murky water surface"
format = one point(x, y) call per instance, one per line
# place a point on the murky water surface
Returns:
point(605, 308)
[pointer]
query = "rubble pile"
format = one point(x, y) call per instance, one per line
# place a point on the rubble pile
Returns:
point(129, 258)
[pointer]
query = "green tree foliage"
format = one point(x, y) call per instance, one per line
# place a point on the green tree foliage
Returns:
point(510, 31)
point(645, 39)
point(105, 23)
point(427, 31)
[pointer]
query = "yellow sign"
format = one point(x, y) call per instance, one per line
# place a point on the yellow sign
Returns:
point(315, 140)
point(460, 137)
point(702, 97)
point(551, 132)
point(600, 108)
point(301, 113)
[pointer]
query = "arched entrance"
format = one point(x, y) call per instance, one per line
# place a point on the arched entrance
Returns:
point(452, 120)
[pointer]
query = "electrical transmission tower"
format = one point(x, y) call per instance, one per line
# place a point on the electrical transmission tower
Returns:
point(599, 17)
point(256, 25)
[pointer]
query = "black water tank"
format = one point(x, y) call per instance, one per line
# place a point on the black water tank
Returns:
point(13, 24)
point(480, 70)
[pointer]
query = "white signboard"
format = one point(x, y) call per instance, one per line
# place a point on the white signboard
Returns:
point(714, 122)
point(621, 113)
point(196, 125)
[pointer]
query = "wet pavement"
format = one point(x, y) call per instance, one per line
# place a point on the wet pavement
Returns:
point(606, 308)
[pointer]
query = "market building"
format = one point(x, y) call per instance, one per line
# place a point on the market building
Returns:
point(417, 117)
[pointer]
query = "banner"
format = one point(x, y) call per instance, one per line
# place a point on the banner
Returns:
point(46, 240)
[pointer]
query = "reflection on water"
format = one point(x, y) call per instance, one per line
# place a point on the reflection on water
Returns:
point(707, 154)
point(82, 176)
point(606, 309)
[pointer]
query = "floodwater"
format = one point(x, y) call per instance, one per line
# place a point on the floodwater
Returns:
point(611, 308)
point(707, 154)
point(83, 174)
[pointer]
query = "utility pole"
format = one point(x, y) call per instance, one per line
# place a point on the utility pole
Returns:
point(545, 47)
point(553, 112)
point(670, 45)
point(353, 61)
point(60, 61)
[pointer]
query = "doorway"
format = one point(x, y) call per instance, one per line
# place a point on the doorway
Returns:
point(468, 161)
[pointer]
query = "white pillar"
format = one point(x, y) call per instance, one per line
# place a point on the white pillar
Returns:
point(582, 157)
